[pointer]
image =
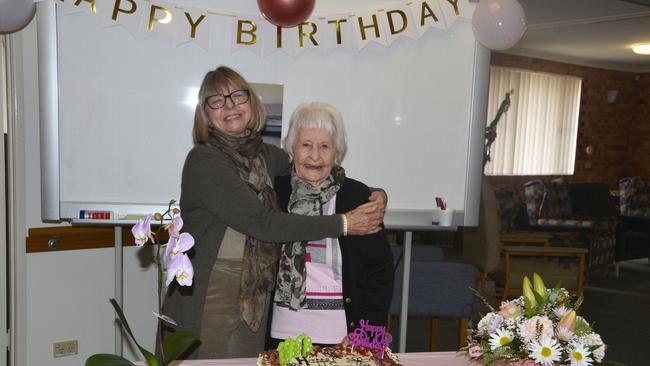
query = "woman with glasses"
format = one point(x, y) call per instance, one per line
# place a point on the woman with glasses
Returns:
point(231, 210)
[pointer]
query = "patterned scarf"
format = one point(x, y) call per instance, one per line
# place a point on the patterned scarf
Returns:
point(304, 200)
point(258, 267)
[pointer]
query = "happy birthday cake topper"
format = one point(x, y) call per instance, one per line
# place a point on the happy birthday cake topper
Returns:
point(371, 336)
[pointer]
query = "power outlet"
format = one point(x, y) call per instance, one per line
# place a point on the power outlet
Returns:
point(64, 348)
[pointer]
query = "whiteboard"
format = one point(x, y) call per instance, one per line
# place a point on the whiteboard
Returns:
point(414, 112)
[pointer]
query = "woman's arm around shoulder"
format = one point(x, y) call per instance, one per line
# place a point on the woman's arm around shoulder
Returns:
point(211, 183)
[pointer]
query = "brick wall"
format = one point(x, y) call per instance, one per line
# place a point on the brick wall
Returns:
point(619, 132)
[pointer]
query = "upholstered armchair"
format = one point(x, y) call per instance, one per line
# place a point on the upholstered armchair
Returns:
point(633, 234)
point(506, 258)
point(577, 214)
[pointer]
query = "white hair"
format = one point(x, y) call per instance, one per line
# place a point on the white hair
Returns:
point(318, 115)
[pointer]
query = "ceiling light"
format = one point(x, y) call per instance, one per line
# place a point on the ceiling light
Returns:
point(642, 49)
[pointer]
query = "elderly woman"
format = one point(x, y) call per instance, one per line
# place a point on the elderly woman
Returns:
point(326, 286)
point(230, 208)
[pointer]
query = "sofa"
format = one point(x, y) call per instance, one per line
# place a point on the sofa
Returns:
point(583, 212)
point(633, 234)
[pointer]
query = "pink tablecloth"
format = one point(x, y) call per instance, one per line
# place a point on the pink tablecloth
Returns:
point(407, 359)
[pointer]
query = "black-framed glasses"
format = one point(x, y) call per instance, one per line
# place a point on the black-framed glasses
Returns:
point(217, 101)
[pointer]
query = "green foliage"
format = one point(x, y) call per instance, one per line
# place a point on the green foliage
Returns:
point(173, 346)
point(103, 359)
point(149, 357)
point(499, 353)
point(177, 343)
point(582, 328)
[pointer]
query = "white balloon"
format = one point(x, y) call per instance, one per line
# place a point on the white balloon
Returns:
point(15, 14)
point(498, 24)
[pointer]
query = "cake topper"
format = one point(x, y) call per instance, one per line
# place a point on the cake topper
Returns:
point(371, 336)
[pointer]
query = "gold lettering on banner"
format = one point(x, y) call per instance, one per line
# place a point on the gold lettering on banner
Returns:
point(153, 19)
point(391, 24)
point(278, 36)
point(118, 9)
point(337, 23)
point(362, 28)
point(93, 7)
point(251, 32)
point(454, 3)
point(193, 24)
point(303, 34)
point(426, 13)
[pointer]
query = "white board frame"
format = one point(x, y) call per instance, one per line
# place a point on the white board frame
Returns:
point(56, 208)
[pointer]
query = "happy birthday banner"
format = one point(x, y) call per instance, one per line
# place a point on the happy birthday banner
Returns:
point(321, 32)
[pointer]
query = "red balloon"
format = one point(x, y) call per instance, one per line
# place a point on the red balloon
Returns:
point(286, 13)
point(15, 14)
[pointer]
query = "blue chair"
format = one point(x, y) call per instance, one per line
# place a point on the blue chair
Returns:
point(438, 289)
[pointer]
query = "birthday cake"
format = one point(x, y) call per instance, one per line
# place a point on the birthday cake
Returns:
point(339, 355)
point(366, 346)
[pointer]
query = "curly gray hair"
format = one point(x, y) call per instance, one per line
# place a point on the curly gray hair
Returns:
point(318, 115)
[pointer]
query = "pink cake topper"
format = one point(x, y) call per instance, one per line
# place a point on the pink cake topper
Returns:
point(371, 336)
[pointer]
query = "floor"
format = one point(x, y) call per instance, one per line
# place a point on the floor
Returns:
point(617, 307)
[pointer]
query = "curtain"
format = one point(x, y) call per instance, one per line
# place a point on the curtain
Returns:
point(537, 136)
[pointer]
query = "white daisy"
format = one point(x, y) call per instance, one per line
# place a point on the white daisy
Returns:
point(579, 355)
point(546, 351)
point(564, 334)
point(500, 338)
point(593, 339)
point(561, 311)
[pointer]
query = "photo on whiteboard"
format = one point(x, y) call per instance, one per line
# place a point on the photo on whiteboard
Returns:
point(271, 95)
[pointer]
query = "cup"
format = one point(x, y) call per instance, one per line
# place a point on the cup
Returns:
point(435, 217)
point(445, 217)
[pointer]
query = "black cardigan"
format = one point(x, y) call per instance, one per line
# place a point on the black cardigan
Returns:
point(367, 260)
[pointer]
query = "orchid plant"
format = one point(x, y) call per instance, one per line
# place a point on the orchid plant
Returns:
point(173, 265)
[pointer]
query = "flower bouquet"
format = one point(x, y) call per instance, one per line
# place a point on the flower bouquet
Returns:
point(540, 328)
point(173, 265)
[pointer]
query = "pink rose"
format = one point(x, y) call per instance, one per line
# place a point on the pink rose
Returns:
point(509, 309)
point(528, 329)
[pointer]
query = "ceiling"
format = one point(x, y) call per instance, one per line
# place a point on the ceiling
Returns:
point(598, 33)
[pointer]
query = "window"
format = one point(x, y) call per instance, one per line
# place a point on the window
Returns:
point(537, 136)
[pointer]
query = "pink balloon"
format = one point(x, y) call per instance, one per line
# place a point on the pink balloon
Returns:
point(286, 13)
point(15, 14)
point(498, 24)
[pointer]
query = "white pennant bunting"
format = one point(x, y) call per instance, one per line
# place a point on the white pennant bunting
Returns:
point(309, 34)
point(104, 13)
point(452, 10)
point(427, 14)
point(337, 32)
point(129, 14)
point(193, 25)
point(399, 22)
point(160, 19)
point(290, 42)
point(466, 8)
point(326, 36)
point(68, 6)
point(246, 34)
point(271, 37)
point(322, 33)
point(366, 28)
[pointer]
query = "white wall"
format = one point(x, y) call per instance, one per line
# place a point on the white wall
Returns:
point(63, 295)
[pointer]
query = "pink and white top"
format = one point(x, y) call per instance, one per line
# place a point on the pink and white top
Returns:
point(323, 317)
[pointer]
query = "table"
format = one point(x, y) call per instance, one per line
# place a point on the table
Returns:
point(407, 359)
point(526, 237)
